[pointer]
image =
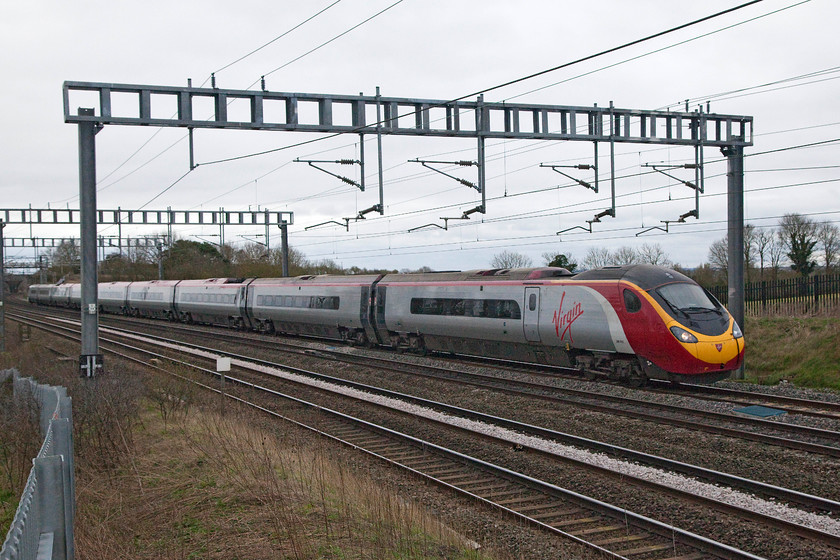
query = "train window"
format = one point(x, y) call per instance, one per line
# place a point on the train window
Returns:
point(457, 307)
point(685, 296)
point(289, 301)
point(632, 302)
point(532, 302)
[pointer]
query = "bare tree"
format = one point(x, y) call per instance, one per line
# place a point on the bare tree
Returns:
point(597, 257)
point(829, 238)
point(653, 253)
point(749, 250)
point(510, 259)
point(799, 234)
point(777, 253)
point(625, 255)
point(763, 244)
point(719, 256)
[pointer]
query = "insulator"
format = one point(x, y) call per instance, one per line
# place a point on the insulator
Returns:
point(465, 163)
point(346, 161)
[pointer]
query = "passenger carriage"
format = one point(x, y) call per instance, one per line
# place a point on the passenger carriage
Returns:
point(336, 307)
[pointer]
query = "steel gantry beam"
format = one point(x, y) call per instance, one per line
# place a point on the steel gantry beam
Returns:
point(269, 110)
point(149, 105)
point(166, 217)
point(102, 242)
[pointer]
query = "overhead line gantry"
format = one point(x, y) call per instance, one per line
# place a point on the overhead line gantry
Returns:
point(281, 111)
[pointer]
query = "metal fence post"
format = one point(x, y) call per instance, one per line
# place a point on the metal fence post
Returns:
point(48, 470)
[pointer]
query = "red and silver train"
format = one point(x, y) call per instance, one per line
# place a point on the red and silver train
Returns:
point(627, 323)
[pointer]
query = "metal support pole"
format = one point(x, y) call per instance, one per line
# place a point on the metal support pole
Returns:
point(119, 232)
point(90, 361)
point(379, 150)
point(169, 221)
point(267, 236)
point(221, 227)
point(284, 241)
point(481, 127)
point(160, 260)
point(2, 292)
point(362, 161)
point(735, 216)
point(612, 161)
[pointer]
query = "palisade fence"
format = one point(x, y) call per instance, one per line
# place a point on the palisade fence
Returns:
point(43, 525)
point(811, 295)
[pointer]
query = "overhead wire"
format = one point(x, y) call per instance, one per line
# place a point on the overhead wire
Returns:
point(509, 82)
point(547, 143)
point(258, 49)
point(129, 158)
point(319, 195)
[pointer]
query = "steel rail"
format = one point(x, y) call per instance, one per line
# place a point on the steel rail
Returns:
point(789, 404)
point(664, 531)
point(506, 386)
point(629, 455)
point(796, 405)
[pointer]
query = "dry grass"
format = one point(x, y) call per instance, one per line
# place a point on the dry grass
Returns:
point(214, 486)
point(20, 440)
point(162, 474)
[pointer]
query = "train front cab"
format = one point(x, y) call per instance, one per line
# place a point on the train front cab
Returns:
point(678, 330)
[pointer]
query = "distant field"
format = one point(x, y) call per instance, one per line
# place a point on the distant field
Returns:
point(802, 350)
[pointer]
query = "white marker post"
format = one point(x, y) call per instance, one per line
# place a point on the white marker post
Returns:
point(222, 365)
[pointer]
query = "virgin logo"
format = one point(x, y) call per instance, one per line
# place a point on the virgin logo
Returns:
point(563, 321)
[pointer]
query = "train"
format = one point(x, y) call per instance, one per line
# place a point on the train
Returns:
point(625, 323)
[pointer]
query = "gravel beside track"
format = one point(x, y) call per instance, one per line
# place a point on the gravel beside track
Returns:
point(730, 529)
point(797, 470)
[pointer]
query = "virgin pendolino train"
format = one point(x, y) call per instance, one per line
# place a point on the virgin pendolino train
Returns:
point(628, 323)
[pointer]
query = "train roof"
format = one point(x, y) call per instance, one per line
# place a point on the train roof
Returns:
point(215, 282)
point(485, 275)
point(320, 279)
point(646, 276)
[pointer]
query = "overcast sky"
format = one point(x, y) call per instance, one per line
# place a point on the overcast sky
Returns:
point(435, 50)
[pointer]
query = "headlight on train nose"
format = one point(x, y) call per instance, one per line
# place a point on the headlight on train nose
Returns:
point(683, 335)
point(736, 330)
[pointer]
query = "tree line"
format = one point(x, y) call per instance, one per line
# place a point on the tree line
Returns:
point(797, 246)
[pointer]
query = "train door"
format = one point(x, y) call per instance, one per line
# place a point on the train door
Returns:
point(531, 315)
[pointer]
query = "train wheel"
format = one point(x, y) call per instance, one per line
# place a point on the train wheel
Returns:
point(636, 378)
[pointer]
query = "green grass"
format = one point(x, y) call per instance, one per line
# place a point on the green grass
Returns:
point(802, 350)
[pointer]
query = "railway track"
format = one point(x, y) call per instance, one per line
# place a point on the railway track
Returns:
point(794, 405)
point(782, 434)
point(545, 507)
